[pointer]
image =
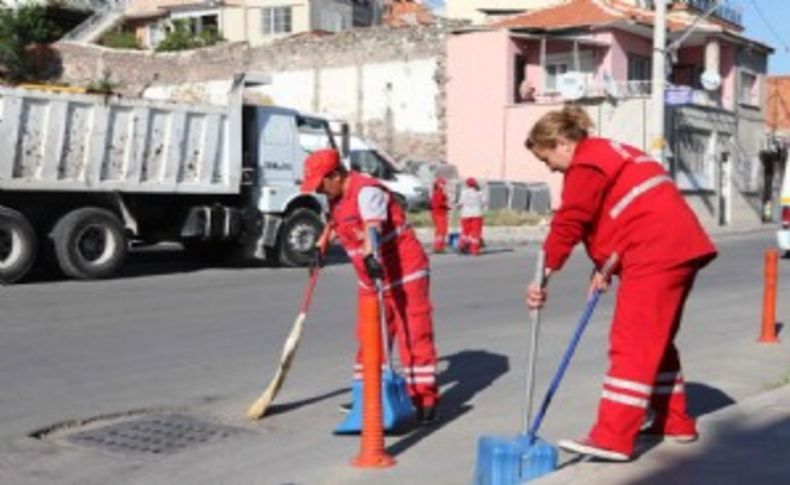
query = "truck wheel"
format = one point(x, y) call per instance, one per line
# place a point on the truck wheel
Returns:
point(17, 245)
point(89, 243)
point(298, 236)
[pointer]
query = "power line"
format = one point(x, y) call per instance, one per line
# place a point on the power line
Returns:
point(770, 27)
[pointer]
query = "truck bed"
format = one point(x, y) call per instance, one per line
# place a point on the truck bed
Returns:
point(83, 142)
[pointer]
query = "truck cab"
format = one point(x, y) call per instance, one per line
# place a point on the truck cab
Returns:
point(276, 143)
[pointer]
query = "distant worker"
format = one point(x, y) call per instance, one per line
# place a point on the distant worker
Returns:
point(440, 206)
point(473, 205)
point(617, 199)
point(357, 202)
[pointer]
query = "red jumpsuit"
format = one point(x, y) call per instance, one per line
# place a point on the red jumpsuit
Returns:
point(617, 199)
point(406, 284)
point(439, 209)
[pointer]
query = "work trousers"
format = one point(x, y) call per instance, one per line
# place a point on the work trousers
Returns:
point(644, 363)
point(409, 320)
point(440, 224)
point(471, 234)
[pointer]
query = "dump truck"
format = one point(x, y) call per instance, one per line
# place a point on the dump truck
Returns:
point(83, 177)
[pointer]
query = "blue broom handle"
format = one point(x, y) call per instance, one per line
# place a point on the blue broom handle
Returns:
point(566, 359)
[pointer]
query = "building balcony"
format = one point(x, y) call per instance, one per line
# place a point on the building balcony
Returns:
point(727, 10)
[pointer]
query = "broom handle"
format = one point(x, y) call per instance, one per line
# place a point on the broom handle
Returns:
point(566, 359)
point(533, 344)
point(374, 241)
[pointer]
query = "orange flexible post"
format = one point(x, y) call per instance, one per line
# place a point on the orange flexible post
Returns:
point(372, 453)
point(768, 334)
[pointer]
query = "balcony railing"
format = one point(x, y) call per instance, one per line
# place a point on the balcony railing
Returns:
point(622, 90)
point(727, 10)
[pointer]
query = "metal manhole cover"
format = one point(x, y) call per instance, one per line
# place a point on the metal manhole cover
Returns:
point(154, 435)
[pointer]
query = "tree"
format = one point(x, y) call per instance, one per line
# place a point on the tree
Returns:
point(19, 28)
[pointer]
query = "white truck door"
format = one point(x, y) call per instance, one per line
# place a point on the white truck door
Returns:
point(278, 147)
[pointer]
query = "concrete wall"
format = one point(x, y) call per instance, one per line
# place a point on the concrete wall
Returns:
point(388, 83)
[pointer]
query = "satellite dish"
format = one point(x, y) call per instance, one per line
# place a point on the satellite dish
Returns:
point(710, 80)
point(571, 85)
point(610, 86)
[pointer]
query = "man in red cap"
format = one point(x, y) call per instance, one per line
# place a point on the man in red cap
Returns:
point(472, 204)
point(439, 209)
point(358, 203)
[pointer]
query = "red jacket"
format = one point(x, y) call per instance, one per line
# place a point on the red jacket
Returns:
point(402, 255)
point(615, 198)
point(439, 202)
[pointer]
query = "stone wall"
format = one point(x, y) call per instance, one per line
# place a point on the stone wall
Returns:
point(387, 82)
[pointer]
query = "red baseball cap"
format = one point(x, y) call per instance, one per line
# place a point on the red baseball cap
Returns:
point(318, 165)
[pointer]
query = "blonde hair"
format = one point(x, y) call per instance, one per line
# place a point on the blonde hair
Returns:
point(571, 123)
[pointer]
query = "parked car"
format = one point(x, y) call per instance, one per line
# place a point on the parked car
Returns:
point(366, 157)
point(783, 235)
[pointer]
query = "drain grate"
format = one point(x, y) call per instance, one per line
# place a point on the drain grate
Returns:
point(163, 434)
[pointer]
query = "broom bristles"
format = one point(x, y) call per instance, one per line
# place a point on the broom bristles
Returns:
point(259, 407)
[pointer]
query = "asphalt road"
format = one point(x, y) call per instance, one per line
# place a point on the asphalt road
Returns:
point(171, 335)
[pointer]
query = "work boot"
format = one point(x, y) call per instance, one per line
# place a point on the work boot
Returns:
point(427, 416)
point(585, 446)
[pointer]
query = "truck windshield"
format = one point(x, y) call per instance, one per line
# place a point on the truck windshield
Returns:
point(372, 163)
point(314, 134)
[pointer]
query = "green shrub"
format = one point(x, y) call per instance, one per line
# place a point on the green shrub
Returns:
point(19, 28)
point(180, 38)
point(120, 40)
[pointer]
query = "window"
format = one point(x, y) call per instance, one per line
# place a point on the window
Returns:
point(553, 72)
point(277, 20)
point(369, 162)
point(639, 74)
point(749, 91)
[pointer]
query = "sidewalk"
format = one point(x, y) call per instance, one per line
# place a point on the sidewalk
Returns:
point(745, 443)
point(527, 235)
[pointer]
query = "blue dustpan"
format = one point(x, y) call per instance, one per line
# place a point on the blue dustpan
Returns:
point(503, 461)
point(396, 405)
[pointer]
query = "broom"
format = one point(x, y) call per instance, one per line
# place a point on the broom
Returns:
point(259, 407)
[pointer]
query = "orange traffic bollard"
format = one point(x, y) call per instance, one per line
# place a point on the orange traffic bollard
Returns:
point(372, 453)
point(768, 334)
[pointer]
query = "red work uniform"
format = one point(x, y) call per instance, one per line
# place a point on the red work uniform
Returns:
point(406, 279)
point(439, 209)
point(472, 203)
point(617, 199)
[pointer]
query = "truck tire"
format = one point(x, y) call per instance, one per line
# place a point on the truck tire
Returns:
point(298, 236)
point(18, 245)
point(89, 243)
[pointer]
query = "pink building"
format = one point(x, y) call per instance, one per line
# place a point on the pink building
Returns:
point(503, 77)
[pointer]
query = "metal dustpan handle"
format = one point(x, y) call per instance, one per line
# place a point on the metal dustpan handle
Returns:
point(533, 343)
point(374, 241)
point(566, 359)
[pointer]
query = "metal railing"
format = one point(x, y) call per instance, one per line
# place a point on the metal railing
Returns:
point(727, 10)
point(102, 11)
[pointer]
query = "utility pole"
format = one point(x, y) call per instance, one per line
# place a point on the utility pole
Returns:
point(658, 139)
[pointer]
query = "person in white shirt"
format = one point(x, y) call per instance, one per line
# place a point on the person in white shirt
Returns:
point(473, 205)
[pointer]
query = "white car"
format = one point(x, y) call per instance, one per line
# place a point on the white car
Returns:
point(366, 157)
point(783, 235)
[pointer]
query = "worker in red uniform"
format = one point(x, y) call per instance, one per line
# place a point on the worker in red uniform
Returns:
point(617, 199)
point(358, 203)
point(472, 204)
point(440, 207)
